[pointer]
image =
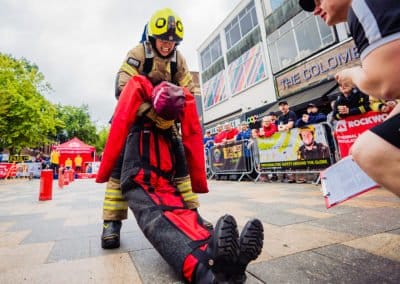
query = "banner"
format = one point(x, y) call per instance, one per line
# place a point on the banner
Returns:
point(300, 148)
point(228, 157)
point(34, 169)
point(348, 129)
point(5, 170)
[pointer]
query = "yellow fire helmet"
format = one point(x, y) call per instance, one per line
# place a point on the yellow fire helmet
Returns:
point(165, 24)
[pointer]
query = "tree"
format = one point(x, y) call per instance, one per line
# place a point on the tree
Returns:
point(76, 123)
point(27, 119)
point(102, 135)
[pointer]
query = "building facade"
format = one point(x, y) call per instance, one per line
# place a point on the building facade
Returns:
point(266, 50)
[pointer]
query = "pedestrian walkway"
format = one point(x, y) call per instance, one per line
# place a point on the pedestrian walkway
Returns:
point(58, 241)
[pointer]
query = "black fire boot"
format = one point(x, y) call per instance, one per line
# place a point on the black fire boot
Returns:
point(111, 234)
point(223, 249)
point(251, 243)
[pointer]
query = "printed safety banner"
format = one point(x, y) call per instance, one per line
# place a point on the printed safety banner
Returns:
point(228, 157)
point(299, 148)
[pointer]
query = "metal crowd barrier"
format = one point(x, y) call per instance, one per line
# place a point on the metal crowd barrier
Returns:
point(225, 159)
point(230, 159)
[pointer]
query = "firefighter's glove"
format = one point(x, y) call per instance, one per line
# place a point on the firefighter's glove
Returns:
point(160, 122)
point(185, 188)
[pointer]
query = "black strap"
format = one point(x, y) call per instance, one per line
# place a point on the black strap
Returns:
point(174, 70)
point(141, 132)
point(163, 207)
point(117, 89)
point(136, 145)
point(202, 256)
point(157, 146)
point(147, 65)
point(150, 168)
point(146, 154)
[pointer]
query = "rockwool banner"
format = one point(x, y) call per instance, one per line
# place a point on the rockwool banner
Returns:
point(348, 129)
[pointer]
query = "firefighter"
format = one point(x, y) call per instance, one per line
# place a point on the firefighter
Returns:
point(158, 59)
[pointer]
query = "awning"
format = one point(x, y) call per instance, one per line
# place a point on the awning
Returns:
point(313, 95)
point(260, 111)
point(226, 118)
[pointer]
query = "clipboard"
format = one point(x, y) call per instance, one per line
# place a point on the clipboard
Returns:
point(343, 181)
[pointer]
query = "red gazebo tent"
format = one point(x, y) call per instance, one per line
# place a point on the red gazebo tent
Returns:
point(72, 148)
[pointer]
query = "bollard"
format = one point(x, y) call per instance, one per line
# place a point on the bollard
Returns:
point(66, 177)
point(46, 185)
point(60, 177)
point(71, 175)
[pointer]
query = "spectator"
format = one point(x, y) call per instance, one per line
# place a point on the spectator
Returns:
point(274, 118)
point(88, 168)
point(350, 102)
point(287, 119)
point(268, 128)
point(220, 135)
point(208, 140)
point(311, 116)
point(245, 132)
point(78, 163)
point(68, 163)
point(55, 160)
point(245, 135)
point(230, 133)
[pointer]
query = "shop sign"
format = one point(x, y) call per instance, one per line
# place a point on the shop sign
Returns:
point(324, 66)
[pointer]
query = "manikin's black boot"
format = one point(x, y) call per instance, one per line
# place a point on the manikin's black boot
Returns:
point(111, 234)
point(251, 242)
point(222, 253)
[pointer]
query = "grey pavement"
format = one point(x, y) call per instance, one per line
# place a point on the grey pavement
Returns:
point(58, 241)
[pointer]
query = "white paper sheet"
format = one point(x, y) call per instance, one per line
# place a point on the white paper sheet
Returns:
point(344, 180)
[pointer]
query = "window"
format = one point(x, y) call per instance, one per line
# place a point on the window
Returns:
point(246, 70)
point(276, 3)
point(211, 53)
point(214, 90)
point(241, 25)
point(298, 38)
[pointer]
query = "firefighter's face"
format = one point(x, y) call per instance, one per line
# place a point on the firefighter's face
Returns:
point(165, 47)
point(307, 137)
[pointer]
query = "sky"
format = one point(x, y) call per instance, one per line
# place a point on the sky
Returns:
point(79, 45)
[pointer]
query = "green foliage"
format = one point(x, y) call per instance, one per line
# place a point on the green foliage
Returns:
point(27, 119)
point(75, 123)
point(102, 136)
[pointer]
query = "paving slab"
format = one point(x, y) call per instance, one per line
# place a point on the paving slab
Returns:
point(58, 241)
